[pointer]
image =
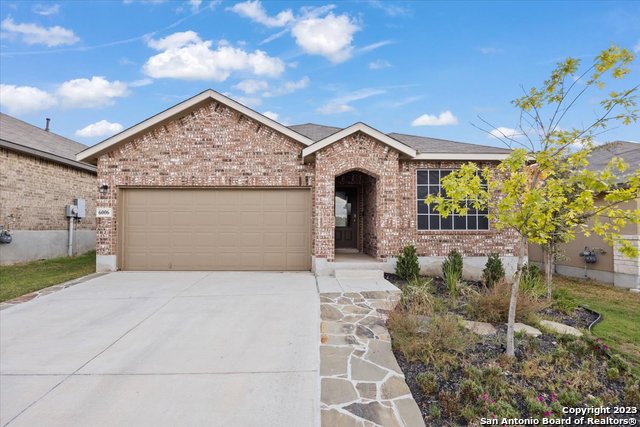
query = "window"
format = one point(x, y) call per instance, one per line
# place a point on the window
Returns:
point(430, 219)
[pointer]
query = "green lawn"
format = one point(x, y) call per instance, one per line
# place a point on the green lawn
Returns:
point(20, 279)
point(620, 309)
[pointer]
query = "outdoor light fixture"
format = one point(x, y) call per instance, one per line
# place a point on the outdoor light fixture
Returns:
point(104, 188)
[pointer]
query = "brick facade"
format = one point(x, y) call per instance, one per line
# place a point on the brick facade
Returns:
point(35, 191)
point(216, 146)
point(213, 146)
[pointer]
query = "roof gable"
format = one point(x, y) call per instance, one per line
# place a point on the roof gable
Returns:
point(359, 127)
point(91, 154)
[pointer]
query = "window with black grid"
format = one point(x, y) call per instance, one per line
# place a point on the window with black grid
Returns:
point(429, 182)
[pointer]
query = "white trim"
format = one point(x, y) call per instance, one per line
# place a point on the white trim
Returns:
point(98, 149)
point(359, 127)
point(461, 156)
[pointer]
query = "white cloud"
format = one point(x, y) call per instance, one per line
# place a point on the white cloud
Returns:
point(504, 132)
point(443, 119)
point(249, 101)
point(46, 9)
point(333, 108)
point(140, 83)
point(101, 128)
point(93, 93)
point(24, 99)
point(186, 56)
point(491, 50)
point(288, 87)
point(379, 64)
point(35, 34)
point(251, 86)
point(340, 104)
point(390, 9)
point(636, 48)
point(330, 36)
point(271, 115)
point(374, 46)
point(256, 12)
point(195, 5)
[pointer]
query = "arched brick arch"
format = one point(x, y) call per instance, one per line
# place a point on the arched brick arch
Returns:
point(357, 152)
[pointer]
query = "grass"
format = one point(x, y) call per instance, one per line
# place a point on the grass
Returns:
point(620, 309)
point(21, 279)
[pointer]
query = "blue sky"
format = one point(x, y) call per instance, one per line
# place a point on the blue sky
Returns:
point(425, 68)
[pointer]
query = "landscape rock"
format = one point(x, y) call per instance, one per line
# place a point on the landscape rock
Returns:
point(479, 328)
point(560, 328)
point(529, 330)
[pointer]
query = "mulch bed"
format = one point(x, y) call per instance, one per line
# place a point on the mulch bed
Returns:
point(489, 350)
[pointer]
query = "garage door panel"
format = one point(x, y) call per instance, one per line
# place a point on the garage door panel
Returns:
point(216, 229)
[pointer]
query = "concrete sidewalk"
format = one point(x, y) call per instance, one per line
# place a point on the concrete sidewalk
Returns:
point(164, 349)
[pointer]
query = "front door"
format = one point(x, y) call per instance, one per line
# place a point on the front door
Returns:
point(346, 217)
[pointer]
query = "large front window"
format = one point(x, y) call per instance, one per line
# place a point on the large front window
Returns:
point(429, 219)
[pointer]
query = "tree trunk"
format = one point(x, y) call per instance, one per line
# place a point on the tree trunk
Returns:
point(511, 348)
point(547, 252)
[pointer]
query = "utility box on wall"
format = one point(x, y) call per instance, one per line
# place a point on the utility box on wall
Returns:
point(81, 204)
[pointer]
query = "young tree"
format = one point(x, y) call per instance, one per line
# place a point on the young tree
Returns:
point(544, 190)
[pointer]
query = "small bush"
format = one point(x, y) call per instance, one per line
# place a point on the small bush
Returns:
point(451, 278)
point(427, 382)
point(450, 403)
point(452, 264)
point(416, 297)
point(493, 270)
point(564, 301)
point(493, 304)
point(632, 394)
point(531, 282)
point(613, 374)
point(407, 266)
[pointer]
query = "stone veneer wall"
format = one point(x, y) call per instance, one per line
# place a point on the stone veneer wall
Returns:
point(211, 146)
point(35, 191)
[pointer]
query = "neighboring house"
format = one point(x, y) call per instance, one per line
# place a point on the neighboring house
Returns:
point(210, 184)
point(611, 266)
point(39, 176)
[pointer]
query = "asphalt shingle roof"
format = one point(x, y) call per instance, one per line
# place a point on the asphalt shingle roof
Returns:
point(421, 144)
point(22, 133)
point(628, 151)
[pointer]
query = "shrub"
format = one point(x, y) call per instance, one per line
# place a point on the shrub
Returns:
point(452, 272)
point(407, 266)
point(613, 374)
point(452, 264)
point(493, 270)
point(632, 394)
point(416, 297)
point(451, 278)
point(427, 382)
point(493, 304)
point(531, 282)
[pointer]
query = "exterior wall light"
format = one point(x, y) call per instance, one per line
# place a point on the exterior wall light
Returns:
point(104, 189)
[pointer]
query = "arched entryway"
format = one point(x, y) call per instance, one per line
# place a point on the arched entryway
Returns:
point(355, 214)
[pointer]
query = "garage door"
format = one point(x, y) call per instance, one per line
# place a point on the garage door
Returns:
point(216, 229)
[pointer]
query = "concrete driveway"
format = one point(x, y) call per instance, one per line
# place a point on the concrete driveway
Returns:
point(164, 349)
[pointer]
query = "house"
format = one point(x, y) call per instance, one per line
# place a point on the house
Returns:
point(210, 184)
point(610, 266)
point(39, 177)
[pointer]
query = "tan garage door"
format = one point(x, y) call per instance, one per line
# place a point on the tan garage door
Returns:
point(216, 229)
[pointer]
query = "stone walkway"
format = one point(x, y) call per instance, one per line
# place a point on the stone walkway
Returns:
point(361, 382)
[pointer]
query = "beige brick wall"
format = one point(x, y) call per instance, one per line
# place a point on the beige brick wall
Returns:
point(34, 193)
point(213, 146)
